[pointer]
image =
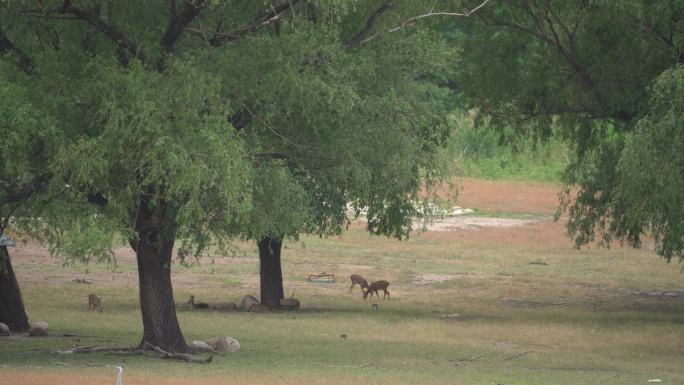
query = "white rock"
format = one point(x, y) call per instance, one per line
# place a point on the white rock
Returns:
point(460, 211)
point(39, 328)
point(248, 301)
point(201, 345)
point(224, 344)
point(4, 329)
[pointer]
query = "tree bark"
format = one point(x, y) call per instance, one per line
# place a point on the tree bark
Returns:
point(153, 249)
point(270, 271)
point(12, 311)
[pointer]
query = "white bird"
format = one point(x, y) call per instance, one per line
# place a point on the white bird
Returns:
point(118, 378)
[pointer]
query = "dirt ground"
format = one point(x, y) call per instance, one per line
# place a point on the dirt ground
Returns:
point(515, 197)
point(538, 199)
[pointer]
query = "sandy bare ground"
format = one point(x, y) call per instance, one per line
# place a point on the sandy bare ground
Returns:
point(515, 197)
point(456, 223)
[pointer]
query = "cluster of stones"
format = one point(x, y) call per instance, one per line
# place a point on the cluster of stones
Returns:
point(36, 329)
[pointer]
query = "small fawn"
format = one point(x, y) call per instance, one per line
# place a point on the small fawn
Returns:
point(95, 302)
point(358, 280)
point(375, 286)
point(199, 305)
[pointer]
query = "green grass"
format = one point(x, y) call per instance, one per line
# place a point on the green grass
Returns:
point(505, 214)
point(509, 165)
point(480, 153)
point(573, 321)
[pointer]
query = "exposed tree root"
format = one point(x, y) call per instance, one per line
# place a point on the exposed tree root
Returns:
point(146, 349)
point(178, 356)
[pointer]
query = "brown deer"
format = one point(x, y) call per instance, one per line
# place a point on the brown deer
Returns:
point(358, 280)
point(375, 286)
point(95, 302)
point(199, 305)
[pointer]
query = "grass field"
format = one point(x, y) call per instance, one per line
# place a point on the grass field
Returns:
point(489, 305)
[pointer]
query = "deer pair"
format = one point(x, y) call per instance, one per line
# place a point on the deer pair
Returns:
point(369, 289)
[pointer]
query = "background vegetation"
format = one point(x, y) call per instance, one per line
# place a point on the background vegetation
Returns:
point(486, 152)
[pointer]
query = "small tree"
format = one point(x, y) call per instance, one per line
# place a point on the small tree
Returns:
point(342, 125)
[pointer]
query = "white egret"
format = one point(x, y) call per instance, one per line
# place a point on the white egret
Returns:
point(118, 378)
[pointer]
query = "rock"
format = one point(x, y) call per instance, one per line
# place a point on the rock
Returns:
point(247, 302)
point(201, 345)
point(4, 329)
point(289, 303)
point(39, 328)
point(224, 344)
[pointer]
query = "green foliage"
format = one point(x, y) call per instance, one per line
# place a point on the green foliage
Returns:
point(482, 152)
point(281, 206)
point(272, 132)
point(335, 118)
point(28, 141)
point(652, 168)
point(648, 174)
point(585, 68)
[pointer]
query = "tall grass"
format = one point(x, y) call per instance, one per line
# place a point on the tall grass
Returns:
point(484, 152)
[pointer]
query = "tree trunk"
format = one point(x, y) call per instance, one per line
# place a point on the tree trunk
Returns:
point(153, 249)
point(11, 307)
point(270, 271)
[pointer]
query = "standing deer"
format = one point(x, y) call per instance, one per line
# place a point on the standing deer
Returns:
point(375, 286)
point(358, 280)
point(95, 302)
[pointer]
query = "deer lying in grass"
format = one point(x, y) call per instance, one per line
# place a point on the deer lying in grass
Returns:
point(199, 305)
point(95, 302)
point(375, 286)
point(358, 280)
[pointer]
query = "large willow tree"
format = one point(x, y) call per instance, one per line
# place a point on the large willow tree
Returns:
point(192, 122)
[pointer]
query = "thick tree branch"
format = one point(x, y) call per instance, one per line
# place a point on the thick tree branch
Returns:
point(179, 21)
point(26, 190)
point(97, 199)
point(7, 47)
point(412, 21)
point(365, 33)
point(240, 119)
point(261, 21)
point(110, 31)
point(172, 9)
point(569, 53)
point(19, 197)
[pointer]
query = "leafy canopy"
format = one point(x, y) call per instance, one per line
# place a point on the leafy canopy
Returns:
point(586, 67)
point(242, 123)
